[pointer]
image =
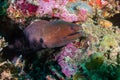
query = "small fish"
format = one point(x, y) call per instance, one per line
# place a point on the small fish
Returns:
point(44, 34)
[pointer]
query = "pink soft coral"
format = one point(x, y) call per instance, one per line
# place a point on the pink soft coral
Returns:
point(47, 7)
point(58, 9)
point(67, 53)
point(53, 8)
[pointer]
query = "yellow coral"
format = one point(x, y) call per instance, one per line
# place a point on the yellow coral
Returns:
point(105, 23)
point(108, 42)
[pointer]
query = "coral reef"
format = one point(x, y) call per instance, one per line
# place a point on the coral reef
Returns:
point(21, 9)
point(70, 40)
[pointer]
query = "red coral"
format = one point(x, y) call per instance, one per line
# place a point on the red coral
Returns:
point(46, 0)
point(27, 8)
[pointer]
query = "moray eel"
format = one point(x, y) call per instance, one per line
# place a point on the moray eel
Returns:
point(51, 34)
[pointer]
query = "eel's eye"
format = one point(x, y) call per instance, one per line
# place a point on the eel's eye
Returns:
point(42, 43)
point(41, 40)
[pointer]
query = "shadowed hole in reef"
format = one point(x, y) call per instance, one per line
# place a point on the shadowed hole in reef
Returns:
point(39, 63)
point(115, 20)
point(11, 32)
point(9, 29)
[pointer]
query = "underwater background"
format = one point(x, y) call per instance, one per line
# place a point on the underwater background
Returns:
point(59, 40)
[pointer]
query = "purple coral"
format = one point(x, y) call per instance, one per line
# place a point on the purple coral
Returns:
point(67, 53)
